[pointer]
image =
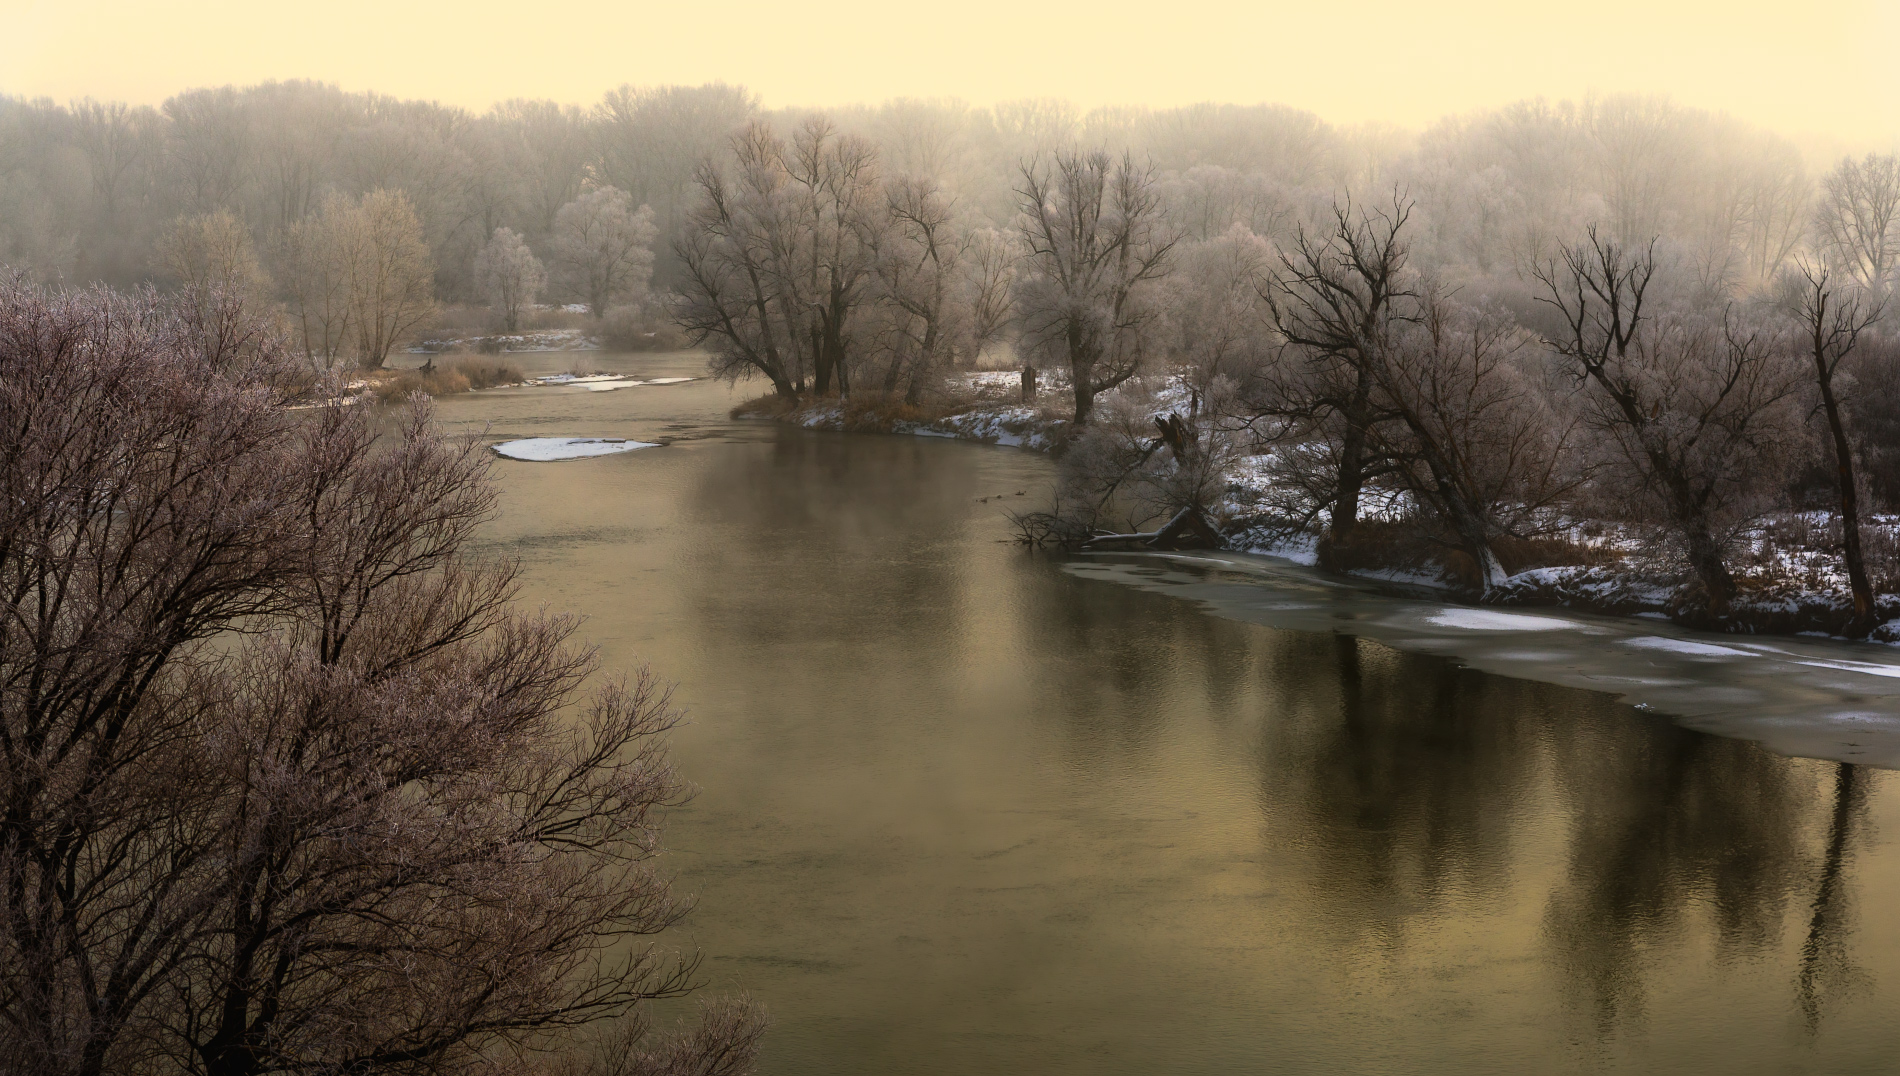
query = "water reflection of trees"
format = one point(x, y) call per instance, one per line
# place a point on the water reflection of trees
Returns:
point(1666, 822)
point(1827, 971)
point(1413, 788)
point(1399, 776)
point(1123, 665)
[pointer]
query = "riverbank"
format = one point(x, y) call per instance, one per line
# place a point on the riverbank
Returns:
point(983, 405)
point(1787, 567)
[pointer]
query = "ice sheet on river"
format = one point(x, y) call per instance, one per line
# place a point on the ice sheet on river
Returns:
point(1815, 698)
point(550, 449)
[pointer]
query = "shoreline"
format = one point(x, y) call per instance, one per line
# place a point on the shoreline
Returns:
point(1775, 607)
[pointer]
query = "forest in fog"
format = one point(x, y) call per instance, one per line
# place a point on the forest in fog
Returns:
point(290, 781)
point(1619, 309)
point(89, 190)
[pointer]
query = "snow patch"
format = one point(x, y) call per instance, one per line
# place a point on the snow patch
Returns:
point(550, 449)
point(1486, 620)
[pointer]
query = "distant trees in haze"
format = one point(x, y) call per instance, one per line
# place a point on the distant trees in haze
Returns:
point(359, 278)
point(212, 253)
point(602, 248)
point(510, 276)
point(1857, 221)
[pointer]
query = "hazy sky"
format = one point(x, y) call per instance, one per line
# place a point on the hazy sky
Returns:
point(1824, 66)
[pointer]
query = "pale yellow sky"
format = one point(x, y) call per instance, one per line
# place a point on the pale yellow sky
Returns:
point(1820, 66)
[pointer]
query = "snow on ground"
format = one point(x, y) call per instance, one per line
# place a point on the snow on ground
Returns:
point(1014, 427)
point(551, 449)
point(1789, 567)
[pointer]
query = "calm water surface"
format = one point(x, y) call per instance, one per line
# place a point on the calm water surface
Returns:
point(964, 811)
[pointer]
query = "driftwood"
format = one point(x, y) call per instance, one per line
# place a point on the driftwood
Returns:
point(1189, 529)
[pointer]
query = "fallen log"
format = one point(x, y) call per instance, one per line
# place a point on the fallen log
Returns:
point(1189, 529)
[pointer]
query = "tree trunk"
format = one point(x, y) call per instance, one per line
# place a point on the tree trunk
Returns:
point(1352, 455)
point(1084, 399)
point(1029, 384)
point(1352, 477)
point(1705, 558)
point(1863, 621)
point(821, 363)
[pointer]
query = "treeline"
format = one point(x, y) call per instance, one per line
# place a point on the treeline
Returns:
point(1618, 308)
point(89, 190)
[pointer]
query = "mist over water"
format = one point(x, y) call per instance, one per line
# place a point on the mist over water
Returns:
point(965, 809)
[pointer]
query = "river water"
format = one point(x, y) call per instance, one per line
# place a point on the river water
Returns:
point(966, 809)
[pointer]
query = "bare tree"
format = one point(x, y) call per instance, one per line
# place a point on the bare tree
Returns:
point(1831, 320)
point(1858, 219)
point(286, 785)
point(317, 257)
point(827, 259)
point(1695, 405)
point(920, 269)
point(392, 279)
point(1094, 247)
point(991, 274)
point(603, 248)
point(360, 277)
point(1475, 437)
point(1337, 303)
point(510, 275)
point(779, 256)
point(1220, 327)
point(731, 297)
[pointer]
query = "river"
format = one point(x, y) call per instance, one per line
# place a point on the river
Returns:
point(967, 809)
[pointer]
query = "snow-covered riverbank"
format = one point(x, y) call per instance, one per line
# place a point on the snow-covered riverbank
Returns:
point(1788, 566)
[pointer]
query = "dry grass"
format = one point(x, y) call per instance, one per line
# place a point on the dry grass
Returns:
point(445, 380)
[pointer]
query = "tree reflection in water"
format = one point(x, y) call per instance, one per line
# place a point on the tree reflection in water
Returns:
point(1827, 972)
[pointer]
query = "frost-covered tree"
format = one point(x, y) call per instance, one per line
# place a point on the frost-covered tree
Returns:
point(602, 248)
point(1094, 249)
point(212, 252)
point(509, 275)
point(360, 276)
point(290, 785)
point(1696, 407)
point(779, 256)
point(1858, 219)
point(1475, 437)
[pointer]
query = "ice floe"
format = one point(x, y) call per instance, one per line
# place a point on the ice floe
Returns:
point(1486, 620)
point(1871, 668)
point(1687, 646)
point(550, 449)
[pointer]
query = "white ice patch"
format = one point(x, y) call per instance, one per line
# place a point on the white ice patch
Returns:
point(1868, 667)
point(1684, 646)
point(550, 449)
point(1485, 620)
point(668, 380)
